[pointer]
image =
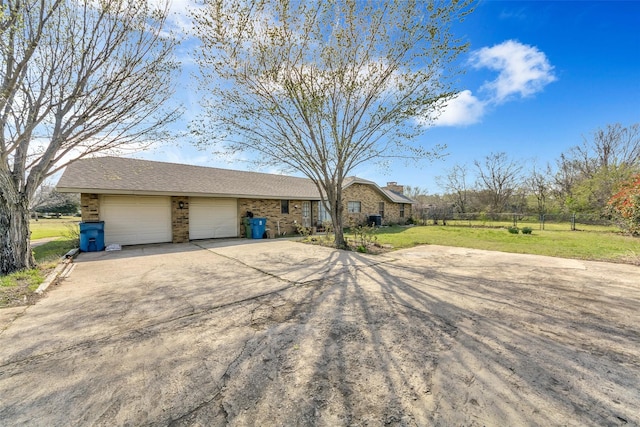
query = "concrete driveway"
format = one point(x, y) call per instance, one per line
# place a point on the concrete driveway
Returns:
point(281, 333)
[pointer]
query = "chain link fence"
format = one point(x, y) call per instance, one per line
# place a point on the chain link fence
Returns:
point(564, 221)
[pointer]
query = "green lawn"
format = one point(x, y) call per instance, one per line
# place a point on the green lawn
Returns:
point(17, 288)
point(590, 245)
point(53, 227)
point(65, 229)
point(53, 251)
point(557, 226)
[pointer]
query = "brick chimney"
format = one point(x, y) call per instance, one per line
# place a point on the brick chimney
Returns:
point(393, 186)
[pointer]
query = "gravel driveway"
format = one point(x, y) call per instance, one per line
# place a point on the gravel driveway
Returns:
point(281, 333)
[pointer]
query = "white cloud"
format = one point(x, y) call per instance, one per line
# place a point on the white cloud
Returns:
point(463, 109)
point(523, 70)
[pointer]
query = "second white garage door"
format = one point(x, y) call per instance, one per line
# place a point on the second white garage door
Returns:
point(135, 220)
point(212, 218)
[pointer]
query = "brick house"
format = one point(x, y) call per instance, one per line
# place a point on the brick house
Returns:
point(362, 198)
point(143, 201)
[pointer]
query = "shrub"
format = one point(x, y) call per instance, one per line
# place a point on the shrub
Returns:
point(364, 236)
point(513, 230)
point(626, 204)
point(73, 234)
point(527, 230)
point(303, 231)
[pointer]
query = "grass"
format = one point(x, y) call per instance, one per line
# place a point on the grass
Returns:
point(588, 245)
point(548, 226)
point(54, 250)
point(53, 227)
point(18, 288)
point(32, 276)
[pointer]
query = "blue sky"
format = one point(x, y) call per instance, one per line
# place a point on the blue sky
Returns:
point(539, 77)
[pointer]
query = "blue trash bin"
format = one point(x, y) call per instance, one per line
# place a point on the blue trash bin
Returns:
point(258, 227)
point(92, 236)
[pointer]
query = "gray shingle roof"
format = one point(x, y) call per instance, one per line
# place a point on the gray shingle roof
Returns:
point(132, 176)
point(118, 175)
point(397, 197)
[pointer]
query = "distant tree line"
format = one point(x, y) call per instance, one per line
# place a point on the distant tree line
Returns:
point(48, 201)
point(583, 180)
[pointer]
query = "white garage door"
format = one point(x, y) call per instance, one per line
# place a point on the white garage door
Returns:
point(134, 220)
point(212, 218)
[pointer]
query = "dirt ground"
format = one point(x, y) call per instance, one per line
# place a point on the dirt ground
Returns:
point(425, 336)
point(17, 296)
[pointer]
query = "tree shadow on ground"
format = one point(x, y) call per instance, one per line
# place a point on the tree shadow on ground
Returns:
point(356, 340)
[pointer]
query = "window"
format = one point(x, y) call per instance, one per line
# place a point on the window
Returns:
point(353, 207)
point(381, 209)
point(401, 210)
point(323, 214)
point(284, 206)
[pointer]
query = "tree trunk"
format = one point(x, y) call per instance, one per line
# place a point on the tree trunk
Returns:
point(15, 249)
point(338, 210)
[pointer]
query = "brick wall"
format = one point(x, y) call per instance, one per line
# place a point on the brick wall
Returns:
point(180, 219)
point(90, 207)
point(392, 212)
point(271, 209)
point(370, 199)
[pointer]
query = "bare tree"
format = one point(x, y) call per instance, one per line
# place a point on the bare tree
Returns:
point(614, 146)
point(78, 77)
point(595, 167)
point(324, 86)
point(565, 178)
point(539, 184)
point(455, 183)
point(499, 176)
point(413, 192)
point(419, 195)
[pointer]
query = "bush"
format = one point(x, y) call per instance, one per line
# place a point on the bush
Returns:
point(527, 230)
point(303, 231)
point(513, 230)
point(364, 236)
point(625, 205)
point(73, 234)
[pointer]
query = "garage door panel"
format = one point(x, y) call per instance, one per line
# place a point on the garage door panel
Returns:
point(212, 218)
point(133, 220)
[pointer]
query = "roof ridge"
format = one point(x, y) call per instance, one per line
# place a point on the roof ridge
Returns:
point(129, 159)
point(128, 175)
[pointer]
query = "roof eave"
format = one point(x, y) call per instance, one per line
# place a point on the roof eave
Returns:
point(178, 193)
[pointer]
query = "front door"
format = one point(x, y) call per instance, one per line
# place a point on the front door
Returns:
point(306, 214)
